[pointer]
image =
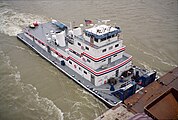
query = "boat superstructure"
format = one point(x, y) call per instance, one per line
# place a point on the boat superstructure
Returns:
point(93, 57)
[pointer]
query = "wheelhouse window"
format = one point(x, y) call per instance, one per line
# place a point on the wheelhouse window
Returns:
point(96, 40)
point(103, 39)
point(87, 34)
point(109, 37)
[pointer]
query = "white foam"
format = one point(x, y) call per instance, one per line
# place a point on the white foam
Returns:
point(12, 22)
point(87, 101)
point(30, 96)
point(17, 76)
point(20, 47)
point(84, 92)
point(90, 104)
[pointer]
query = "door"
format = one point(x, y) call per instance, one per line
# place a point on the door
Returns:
point(48, 49)
point(91, 41)
point(117, 73)
point(109, 60)
point(93, 79)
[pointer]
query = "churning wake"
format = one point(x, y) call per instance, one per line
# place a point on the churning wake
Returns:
point(12, 22)
point(27, 98)
point(23, 98)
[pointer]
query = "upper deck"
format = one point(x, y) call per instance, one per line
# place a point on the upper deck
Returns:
point(102, 31)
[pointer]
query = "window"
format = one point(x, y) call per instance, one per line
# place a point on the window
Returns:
point(88, 60)
point(70, 62)
point(80, 68)
point(104, 60)
point(86, 48)
point(96, 40)
point(115, 55)
point(103, 39)
point(104, 50)
point(79, 44)
point(109, 37)
point(85, 72)
point(74, 52)
point(77, 54)
point(110, 47)
point(87, 34)
point(116, 45)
